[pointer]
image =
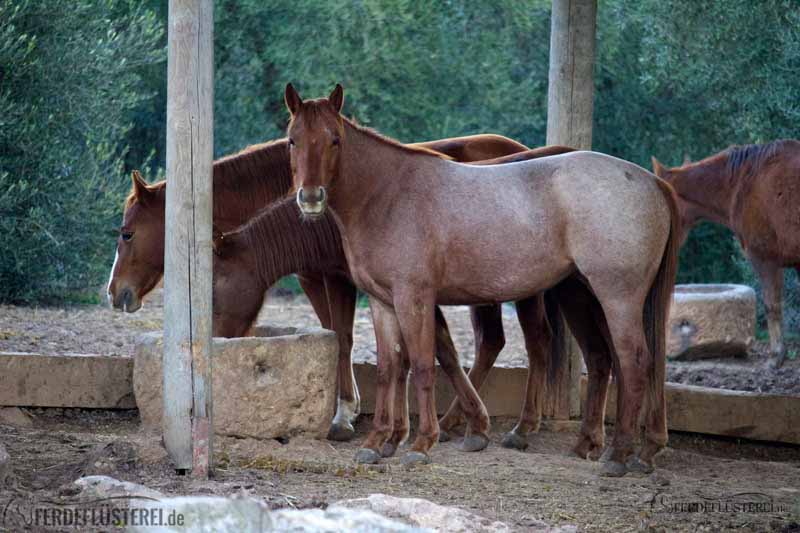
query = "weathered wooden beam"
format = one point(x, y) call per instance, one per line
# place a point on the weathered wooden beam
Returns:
point(70, 380)
point(749, 415)
point(570, 100)
point(188, 238)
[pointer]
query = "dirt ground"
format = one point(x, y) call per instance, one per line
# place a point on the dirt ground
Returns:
point(96, 329)
point(542, 483)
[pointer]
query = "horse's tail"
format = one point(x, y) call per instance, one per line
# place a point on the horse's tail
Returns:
point(656, 306)
point(558, 335)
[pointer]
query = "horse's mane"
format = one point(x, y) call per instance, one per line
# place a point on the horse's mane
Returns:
point(419, 150)
point(245, 181)
point(750, 158)
point(284, 243)
point(252, 178)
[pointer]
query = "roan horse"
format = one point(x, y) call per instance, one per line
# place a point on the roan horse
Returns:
point(243, 183)
point(419, 230)
point(754, 190)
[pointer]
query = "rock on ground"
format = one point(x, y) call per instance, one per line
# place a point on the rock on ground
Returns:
point(102, 487)
point(14, 416)
point(263, 387)
point(426, 514)
point(238, 515)
point(5, 465)
point(711, 321)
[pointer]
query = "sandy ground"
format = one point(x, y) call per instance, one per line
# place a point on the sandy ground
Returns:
point(543, 483)
point(98, 330)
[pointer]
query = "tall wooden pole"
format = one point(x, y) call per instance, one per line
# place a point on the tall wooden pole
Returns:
point(188, 238)
point(570, 100)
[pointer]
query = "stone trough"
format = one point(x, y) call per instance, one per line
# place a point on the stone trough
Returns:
point(711, 321)
point(279, 383)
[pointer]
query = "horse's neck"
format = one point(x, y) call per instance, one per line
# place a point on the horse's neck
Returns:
point(246, 182)
point(371, 170)
point(280, 243)
point(707, 189)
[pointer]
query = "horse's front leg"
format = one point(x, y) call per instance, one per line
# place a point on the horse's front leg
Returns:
point(771, 276)
point(415, 315)
point(388, 339)
point(341, 296)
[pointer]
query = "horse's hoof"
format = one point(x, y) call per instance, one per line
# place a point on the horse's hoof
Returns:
point(776, 361)
point(614, 469)
point(366, 456)
point(388, 449)
point(514, 441)
point(474, 442)
point(341, 432)
point(582, 448)
point(444, 436)
point(606, 455)
point(415, 458)
point(635, 464)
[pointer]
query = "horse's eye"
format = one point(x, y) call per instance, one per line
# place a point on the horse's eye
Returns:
point(291, 141)
point(335, 141)
point(126, 235)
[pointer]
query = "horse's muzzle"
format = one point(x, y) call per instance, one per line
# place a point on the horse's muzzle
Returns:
point(126, 301)
point(312, 200)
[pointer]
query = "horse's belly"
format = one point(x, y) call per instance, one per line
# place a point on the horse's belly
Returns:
point(502, 281)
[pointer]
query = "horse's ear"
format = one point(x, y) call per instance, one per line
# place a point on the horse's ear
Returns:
point(139, 189)
point(292, 98)
point(658, 168)
point(686, 159)
point(222, 244)
point(217, 240)
point(337, 98)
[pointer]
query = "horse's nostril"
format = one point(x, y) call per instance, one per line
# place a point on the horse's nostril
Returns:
point(127, 298)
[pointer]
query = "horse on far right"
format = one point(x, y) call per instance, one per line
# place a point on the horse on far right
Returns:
point(755, 191)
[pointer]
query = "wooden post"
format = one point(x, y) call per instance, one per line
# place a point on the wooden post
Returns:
point(188, 237)
point(570, 100)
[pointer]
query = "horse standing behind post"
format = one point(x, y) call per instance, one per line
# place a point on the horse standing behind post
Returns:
point(419, 230)
point(754, 190)
point(244, 183)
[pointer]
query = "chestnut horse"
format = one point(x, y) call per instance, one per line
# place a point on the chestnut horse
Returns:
point(754, 190)
point(419, 230)
point(243, 183)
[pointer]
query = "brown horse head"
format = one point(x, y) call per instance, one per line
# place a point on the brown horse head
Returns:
point(315, 134)
point(139, 262)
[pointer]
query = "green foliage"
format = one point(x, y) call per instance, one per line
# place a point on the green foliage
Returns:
point(83, 98)
point(70, 80)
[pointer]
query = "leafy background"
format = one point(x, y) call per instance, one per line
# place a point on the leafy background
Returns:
point(83, 99)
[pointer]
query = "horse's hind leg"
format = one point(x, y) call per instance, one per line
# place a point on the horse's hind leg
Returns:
point(587, 323)
point(487, 326)
point(341, 296)
point(633, 361)
point(538, 338)
point(771, 276)
point(476, 437)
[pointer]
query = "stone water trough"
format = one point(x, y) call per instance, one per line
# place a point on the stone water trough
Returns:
point(278, 383)
point(711, 321)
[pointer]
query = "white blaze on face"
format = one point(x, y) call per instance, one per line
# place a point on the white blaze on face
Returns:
point(111, 278)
